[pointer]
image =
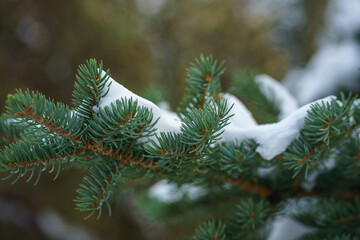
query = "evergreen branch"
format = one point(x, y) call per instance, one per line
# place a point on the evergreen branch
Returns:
point(113, 121)
point(44, 160)
point(95, 191)
point(237, 159)
point(21, 157)
point(176, 156)
point(325, 127)
point(346, 219)
point(141, 163)
point(117, 143)
point(7, 139)
point(121, 158)
point(203, 78)
point(330, 216)
point(97, 187)
point(170, 150)
point(248, 186)
point(347, 164)
point(45, 122)
point(118, 127)
point(344, 213)
point(244, 85)
point(90, 87)
point(96, 148)
point(327, 236)
point(94, 196)
point(35, 110)
point(203, 127)
point(210, 230)
point(8, 131)
point(327, 121)
point(200, 129)
point(249, 215)
point(341, 181)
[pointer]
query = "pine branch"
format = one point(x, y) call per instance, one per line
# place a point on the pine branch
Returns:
point(248, 216)
point(119, 143)
point(96, 189)
point(325, 127)
point(90, 87)
point(98, 185)
point(210, 230)
point(23, 157)
point(346, 171)
point(33, 109)
point(203, 78)
point(123, 123)
point(8, 131)
point(170, 151)
point(249, 187)
point(245, 86)
point(331, 217)
point(237, 159)
point(325, 236)
point(203, 127)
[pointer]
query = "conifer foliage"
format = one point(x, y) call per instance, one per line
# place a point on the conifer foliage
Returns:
point(239, 193)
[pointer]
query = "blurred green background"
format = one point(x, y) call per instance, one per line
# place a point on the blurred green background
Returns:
point(142, 42)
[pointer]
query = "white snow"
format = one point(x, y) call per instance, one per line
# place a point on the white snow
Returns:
point(263, 172)
point(275, 91)
point(342, 19)
point(336, 64)
point(285, 228)
point(168, 121)
point(169, 192)
point(164, 105)
point(242, 116)
point(273, 139)
point(333, 66)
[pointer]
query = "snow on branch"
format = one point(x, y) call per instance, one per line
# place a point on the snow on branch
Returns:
point(277, 93)
point(272, 139)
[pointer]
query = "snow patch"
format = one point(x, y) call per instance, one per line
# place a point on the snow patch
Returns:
point(336, 63)
point(342, 19)
point(170, 192)
point(263, 172)
point(273, 139)
point(285, 228)
point(332, 67)
point(276, 92)
point(164, 105)
point(168, 121)
point(242, 116)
